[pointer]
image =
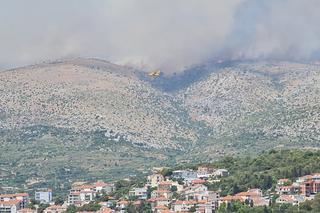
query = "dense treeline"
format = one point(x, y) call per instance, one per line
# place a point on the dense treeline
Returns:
point(264, 170)
point(312, 206)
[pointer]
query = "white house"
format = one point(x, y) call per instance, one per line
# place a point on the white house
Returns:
point(140, 193)
point(43, 195)
point(11, 206)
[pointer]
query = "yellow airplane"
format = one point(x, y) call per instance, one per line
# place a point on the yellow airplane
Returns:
point(154, 74)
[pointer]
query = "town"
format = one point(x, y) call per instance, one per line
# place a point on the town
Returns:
point(163, 191)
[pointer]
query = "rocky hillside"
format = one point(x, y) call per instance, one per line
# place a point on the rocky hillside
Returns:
point(259, 105)
point(88, 95)
point(85, 117)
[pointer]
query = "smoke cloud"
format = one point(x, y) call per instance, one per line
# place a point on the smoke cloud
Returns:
point(166, 34)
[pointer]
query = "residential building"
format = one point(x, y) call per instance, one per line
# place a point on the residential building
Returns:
point(55, 209)
point(221, 173)
point(165, 185)
point(102, 187)
point(10, 206)
point(183, 205)
point(154, 179)
point(161, 209)
point(192, 190)
point(205, 171)
point(23, 197)
point(187, 175)
point(139, 193)
point(27, 210)
point(284, 190)
point(161, 193)
point(43, 195)
point(291, 199)
point(159, 201)
point(81, 195)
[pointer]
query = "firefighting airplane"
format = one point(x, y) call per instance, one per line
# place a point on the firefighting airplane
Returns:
point(154, 74)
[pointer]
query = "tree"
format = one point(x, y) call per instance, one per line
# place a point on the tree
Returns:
point(174, 188)
point(193, 209)
point(58, 200)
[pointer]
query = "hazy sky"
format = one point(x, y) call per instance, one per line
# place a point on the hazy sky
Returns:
point(167, 34)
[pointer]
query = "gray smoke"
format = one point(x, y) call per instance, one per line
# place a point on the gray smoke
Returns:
point(165, 34)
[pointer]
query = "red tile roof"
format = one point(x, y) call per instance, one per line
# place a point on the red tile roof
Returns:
point(165, 183)
point(15, 195)
point(247, 194)
point(161, 207)
point(198, 181)
point(10, 202)
point(231, 198)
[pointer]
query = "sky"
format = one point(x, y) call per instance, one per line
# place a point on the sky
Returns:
point(158, 34)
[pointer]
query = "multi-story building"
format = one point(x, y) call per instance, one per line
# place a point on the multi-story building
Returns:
point(205, 171)
point(27, 210)
point(140, 193)
point(187, 175)
point(102, 187)
point(309, 184)
point(55, 209)
point(10, 206)
point(43, 195)
point(154, 179)
point(183, 205)
point(22, 197)
point(81, 195)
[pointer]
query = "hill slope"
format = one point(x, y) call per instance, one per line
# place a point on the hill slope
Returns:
point(100, 97)
point(84, 117)
point(252, 106)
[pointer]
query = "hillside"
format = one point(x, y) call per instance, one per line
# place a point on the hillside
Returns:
point(75, 119)
point(255, 106)
point(88, 98)
point(84, 117)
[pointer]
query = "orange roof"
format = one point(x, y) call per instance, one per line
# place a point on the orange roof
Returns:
point(100, 183)
point(75, 193)
point(230, 198)
point(21, 194)
point(10, 202)
point(27, 210)
point(247, 194)
point(83, 187)
point(286, 197)
point(202, 201)
point(84, 212)
point(161, 207)
point(198, 181)
point(166, 211)
point(123, 202)
point(165, 183)
point(54, 207)
point(157, 199)
point(138, 202)
point(15, 195)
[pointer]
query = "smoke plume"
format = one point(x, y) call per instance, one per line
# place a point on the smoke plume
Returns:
point(165, 34)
